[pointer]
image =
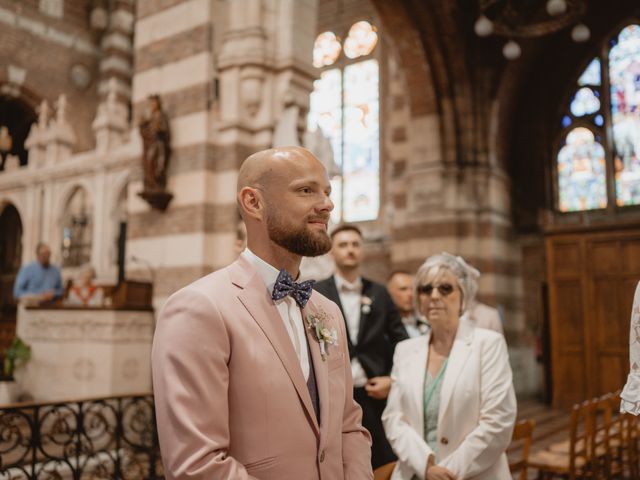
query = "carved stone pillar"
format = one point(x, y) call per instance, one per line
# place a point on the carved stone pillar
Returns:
point(35, 141)
point(111, 122)
point(59, 136)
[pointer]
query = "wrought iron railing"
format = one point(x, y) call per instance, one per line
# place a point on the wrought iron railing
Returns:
point(104, 438)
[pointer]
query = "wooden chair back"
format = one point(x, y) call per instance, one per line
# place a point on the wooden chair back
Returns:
point(522, 432)
point(581, 433)
point(384, 472)
point(601, 440)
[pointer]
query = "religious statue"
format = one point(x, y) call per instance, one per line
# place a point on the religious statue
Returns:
point(156, 145)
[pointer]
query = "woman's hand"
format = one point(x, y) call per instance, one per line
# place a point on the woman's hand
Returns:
point(434, 472)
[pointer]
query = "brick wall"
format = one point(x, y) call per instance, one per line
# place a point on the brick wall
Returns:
point(48, 62)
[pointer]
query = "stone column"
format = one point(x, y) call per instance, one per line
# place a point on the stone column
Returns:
point(116, 44)
point(256, 52)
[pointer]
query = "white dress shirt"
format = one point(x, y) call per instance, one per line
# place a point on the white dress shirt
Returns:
point(414, 325)
point(351, 300)
point(287, 307)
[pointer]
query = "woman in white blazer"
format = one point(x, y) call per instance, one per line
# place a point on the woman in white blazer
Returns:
point(454, 383)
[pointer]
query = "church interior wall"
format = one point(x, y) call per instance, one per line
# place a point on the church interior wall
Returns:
point(45, 56)
point(465, 152)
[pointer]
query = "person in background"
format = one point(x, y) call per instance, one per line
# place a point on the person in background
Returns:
point(452, 406)
point(40, 281)
point(84, 292)
point(374, 328)
point(400, 286)
point(484, 316)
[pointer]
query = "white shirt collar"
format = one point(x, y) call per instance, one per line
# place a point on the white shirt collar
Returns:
point(267, 272)
point(413, 319)
point(341, 282)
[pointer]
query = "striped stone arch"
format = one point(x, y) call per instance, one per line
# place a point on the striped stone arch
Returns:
point(426, 34)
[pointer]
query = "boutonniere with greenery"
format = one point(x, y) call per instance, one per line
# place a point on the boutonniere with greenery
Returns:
point(317, 324)
point(365, 304)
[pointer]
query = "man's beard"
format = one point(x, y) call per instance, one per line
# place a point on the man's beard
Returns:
point(301, 241)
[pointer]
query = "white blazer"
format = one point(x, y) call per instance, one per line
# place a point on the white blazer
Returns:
point(477, 407)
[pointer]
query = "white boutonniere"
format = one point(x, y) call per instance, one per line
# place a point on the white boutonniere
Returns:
point(365, 305)
point(317, 324)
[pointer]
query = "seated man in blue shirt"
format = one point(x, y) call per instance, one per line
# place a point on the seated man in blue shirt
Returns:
point(39, 281)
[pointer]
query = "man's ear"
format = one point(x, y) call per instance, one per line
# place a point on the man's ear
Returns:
point(251, 202)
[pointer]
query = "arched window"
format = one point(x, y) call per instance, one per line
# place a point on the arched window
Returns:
point(77, 229)
point(598, 159)
point(345, 106)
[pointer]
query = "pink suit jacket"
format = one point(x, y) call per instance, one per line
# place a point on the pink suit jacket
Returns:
point(231, 399)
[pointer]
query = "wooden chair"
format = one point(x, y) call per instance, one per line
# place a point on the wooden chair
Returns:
point(630, 426)
point(576, 462)
point(601, 442)
point(384, 472)
point(522, 432)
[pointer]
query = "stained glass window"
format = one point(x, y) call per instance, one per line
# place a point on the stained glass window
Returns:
point(326, 109)
point(582, 161)
point(581, 172)
point(584, 102)
point(326, 49)
point(624, 77)
point(361, 144)
point(361, 41)
point(345, 106)
point(591, 74)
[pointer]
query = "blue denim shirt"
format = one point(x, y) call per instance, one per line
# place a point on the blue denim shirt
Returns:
point(34, 279)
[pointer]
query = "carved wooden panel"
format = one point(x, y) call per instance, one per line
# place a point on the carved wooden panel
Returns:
point(592, 278)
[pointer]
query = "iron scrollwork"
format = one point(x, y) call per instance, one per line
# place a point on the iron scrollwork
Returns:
point(98, 439)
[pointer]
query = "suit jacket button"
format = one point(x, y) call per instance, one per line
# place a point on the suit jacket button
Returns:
point(444, 441)
point(322, 456)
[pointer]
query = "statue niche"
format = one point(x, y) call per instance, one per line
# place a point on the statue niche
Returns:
point(156, 153)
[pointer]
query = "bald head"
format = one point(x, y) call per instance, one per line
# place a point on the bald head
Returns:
point(262, 168)
point(283, 195)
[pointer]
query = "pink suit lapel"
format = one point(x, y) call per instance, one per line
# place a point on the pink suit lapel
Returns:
point(320, 366)
point(255, 298)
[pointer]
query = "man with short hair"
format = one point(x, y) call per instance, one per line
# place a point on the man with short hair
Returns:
point(400, 286)
point(374, 328)
point(250, 368)
point(40, 281)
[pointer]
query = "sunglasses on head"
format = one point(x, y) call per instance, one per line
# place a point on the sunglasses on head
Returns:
point(444, 289)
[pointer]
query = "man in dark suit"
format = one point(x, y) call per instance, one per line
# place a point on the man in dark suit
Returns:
point(374, 328)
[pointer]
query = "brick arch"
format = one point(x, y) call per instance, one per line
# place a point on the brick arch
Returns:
point(399, 25)
point(432, 43)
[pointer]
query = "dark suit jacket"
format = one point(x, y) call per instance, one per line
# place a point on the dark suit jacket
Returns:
point(380, 329)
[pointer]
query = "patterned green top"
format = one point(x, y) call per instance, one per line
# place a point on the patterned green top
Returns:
point(432, 387)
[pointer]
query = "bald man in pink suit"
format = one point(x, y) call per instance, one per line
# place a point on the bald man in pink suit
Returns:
point(251, 371)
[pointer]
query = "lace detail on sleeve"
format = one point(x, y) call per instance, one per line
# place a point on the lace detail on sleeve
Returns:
point(630, 396)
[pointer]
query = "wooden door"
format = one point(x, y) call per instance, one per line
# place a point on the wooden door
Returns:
point(592, 278)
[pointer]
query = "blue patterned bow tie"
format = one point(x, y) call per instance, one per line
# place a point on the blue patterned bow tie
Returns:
point(285, 285)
